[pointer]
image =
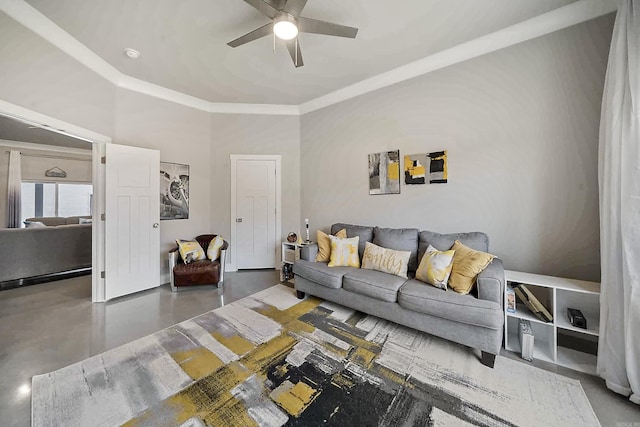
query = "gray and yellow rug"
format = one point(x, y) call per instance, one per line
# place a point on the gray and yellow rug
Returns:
point(273, 360)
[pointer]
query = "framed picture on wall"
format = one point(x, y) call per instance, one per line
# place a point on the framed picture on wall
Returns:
point(384, 172)
point(174, 191)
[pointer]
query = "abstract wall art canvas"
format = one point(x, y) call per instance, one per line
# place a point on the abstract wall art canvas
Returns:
point(384, 172)
point(438, 167)
point(415, 168)
point(174, 191)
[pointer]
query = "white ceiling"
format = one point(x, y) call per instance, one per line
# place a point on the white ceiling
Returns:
point(183, 43)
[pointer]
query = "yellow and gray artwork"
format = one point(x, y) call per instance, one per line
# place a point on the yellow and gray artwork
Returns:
point(174, 191)
point(273, 360)
point(384, 172)
point(438, 167)
point(415, 168)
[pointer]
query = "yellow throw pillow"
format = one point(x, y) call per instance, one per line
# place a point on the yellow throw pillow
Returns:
point(467, 264)
point(215, 246)
point(190, 250)
point(344, 252)
point(435, 267)
point(386, 260)
point(324, 244)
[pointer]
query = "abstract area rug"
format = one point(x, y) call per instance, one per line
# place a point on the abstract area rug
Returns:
point(273, 360)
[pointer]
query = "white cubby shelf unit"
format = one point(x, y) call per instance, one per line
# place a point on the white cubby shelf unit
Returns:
point(556, 294)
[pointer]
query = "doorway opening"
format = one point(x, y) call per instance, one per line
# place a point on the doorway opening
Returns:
point(58, 171)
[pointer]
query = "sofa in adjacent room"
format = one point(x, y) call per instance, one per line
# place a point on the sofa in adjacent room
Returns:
point(39, 251)
point(475, 320)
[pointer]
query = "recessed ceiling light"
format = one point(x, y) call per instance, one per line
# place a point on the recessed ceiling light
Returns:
point(131, 53)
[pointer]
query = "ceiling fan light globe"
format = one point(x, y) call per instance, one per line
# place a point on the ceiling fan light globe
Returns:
point(285, 30)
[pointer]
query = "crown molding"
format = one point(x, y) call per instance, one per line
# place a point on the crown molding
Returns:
point(31, 18)
point(43, 147)
point(558, 19)
point(34, 118)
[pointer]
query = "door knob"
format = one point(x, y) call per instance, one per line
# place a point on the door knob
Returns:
point(156, 225)
point(238, 219)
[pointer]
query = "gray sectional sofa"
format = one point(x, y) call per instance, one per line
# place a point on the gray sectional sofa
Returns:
point(475, 320)
point(33, 252)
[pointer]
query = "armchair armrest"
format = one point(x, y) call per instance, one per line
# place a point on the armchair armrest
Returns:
point(309, 252)
point(491, 282)
point(173, 261)
point(223, 261)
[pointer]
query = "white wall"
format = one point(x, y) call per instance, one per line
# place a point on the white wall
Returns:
point(255, 134)
point(521, 129)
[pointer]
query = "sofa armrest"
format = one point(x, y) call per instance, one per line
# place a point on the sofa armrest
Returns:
point(491, 282)
point(309, 252)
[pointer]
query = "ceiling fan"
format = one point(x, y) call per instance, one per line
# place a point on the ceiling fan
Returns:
point(286, 23)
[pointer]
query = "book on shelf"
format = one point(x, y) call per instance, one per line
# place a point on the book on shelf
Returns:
point(532, 303)
point(525, 334)
point(511, 300)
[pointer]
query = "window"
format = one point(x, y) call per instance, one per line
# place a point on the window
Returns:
point(43, 199)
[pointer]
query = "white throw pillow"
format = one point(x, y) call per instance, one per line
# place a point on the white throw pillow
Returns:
point(34, 224)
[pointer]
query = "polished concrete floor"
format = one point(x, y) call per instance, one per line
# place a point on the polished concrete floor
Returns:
point(48, 326)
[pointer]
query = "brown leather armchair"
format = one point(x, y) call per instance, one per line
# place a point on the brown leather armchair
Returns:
point(203, 272)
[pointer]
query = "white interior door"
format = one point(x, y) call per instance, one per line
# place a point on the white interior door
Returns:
point(256, 213)
point(132, 218)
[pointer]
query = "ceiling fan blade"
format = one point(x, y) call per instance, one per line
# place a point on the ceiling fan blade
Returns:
point(263, 31)
point(294, 7)
point(264, 8)
point(294, 51)
point(308, 25)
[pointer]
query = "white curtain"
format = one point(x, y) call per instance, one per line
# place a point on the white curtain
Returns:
point(14, 200)
point(619, 176)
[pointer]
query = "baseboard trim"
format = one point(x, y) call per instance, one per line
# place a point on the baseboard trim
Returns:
point(45, 278)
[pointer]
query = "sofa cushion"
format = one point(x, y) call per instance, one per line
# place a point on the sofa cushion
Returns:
point(321, 273)
point(416, 296)
point(344, 252)
point(435, 267)
point(467, 264)
point(76, 219)
point(50, 221)
point(386, 260)
point(214, 248)
point(33, 224)
point(364, 233)
point(196, 272)
point(399, 239)
point(190, 251)
point(443, 242)
point(374, 284)
point(324, 244)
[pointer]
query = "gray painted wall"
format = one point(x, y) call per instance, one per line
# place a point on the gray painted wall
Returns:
point(255, 134)
point(521, 129)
